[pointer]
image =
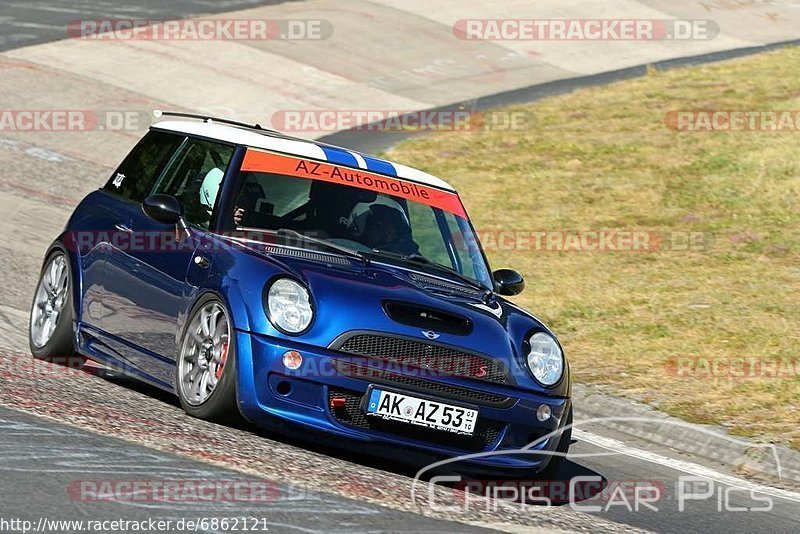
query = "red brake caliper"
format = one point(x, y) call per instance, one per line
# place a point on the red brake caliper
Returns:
point(222, 358)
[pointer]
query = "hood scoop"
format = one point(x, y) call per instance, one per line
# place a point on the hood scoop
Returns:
point(441, 286)
point(308, 255)
point(427, 318)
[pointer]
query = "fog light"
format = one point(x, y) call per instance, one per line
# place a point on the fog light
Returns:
point(543, 413)
point(292, 359)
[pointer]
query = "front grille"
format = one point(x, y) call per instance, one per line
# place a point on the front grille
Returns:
point(381, 376)
point(351, 414)
point(425, 356)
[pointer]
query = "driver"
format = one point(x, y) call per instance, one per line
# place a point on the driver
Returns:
point(210, 189)
point(208, 195)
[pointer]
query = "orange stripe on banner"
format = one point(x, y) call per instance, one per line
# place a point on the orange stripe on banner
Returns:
point(259, 161)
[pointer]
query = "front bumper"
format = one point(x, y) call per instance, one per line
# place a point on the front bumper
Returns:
point(506, 422)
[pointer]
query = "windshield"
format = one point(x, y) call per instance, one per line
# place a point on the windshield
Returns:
point(378, 225)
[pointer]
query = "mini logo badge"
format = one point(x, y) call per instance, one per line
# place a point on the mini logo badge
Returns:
point(430, 334)
point(481, 372)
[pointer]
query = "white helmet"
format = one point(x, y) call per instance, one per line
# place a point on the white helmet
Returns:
point(210, 188)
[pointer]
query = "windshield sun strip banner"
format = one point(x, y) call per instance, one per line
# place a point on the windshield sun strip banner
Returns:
point(260, 161)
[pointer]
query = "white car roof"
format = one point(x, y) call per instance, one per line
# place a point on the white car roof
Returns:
point(301, 147)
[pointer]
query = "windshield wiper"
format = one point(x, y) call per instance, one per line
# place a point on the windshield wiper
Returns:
point(285, 232)
point(422, 260)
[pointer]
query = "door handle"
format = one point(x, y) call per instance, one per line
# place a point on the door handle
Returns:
point(123, 228)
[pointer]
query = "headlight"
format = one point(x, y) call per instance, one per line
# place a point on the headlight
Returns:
point(289, 306)
point(545, 359)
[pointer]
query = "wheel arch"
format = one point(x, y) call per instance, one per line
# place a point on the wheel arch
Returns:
point(238, 309)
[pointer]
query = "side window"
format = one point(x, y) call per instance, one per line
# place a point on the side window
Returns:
point(137, 175)
point(195, 177)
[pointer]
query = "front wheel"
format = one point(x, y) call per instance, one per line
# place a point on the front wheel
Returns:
point(52, 321)
point(206, 374)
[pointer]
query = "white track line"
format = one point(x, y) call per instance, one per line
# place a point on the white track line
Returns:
point(682, 465)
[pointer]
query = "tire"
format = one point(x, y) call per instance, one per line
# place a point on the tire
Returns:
point(205, 370)
point(51, 329)
point(557, 460)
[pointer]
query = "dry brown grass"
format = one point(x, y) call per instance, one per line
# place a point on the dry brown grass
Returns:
point(602, 158)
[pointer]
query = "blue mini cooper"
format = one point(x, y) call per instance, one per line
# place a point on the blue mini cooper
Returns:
point(278, 279)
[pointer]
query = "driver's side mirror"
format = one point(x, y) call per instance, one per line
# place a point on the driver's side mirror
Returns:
point(508, 282)
point(168, 210)
point(163, 208)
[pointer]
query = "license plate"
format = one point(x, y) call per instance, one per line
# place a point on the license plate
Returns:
point(423, 412)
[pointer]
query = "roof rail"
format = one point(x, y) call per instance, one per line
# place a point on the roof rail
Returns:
point(257, 127)
point(207, 118)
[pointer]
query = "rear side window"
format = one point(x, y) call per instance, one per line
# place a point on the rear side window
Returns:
point(137, 175)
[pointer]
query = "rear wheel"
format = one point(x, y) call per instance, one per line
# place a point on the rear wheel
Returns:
point(52, 321)
point(206, 375)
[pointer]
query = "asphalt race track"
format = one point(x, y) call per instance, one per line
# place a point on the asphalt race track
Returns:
point(29, 23)
point(60, 428)
point(52, 456)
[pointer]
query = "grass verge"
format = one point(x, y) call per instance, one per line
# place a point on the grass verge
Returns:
point(708, 329)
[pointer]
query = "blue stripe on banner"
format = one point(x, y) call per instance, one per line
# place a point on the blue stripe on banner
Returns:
point(378, 165)
point(339, 156)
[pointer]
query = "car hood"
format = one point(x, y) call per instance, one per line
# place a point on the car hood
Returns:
point(388, 299)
